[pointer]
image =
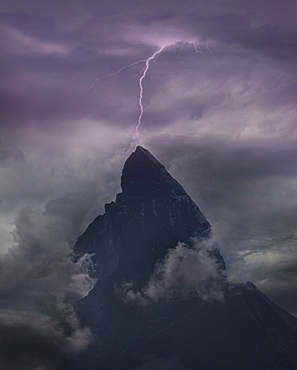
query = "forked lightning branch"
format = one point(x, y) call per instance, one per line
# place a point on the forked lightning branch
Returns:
point(141, 79)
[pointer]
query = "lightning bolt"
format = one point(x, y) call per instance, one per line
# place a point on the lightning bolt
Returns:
point(208, 48)
point(197, 50)
point(146, 68)
point(142, 77)
point(111, 75)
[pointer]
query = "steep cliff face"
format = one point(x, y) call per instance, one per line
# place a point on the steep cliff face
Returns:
point(178, 310)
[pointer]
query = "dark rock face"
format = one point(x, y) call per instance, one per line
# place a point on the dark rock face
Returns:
point(151, 215)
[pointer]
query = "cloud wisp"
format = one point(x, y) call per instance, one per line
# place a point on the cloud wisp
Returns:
point(182, 273)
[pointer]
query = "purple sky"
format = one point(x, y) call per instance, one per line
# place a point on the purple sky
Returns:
point(222, 120)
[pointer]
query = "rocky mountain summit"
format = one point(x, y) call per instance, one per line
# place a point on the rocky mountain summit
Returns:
point(163, 299)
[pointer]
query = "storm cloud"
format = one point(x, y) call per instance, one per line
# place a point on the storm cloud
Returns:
point(247, 191)
point(219, 113)
point(38, 289)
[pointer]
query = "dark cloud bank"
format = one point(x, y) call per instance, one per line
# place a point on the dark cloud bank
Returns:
point(222, 119)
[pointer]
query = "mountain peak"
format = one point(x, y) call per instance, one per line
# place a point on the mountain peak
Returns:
point(141, 150)
point(143, 173)
point(143, 154)
point(154, 294)
point(152, 211)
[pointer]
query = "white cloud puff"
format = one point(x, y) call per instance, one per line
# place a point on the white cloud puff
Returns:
point(183, 272)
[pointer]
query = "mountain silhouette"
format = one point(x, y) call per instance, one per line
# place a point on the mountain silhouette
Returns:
point(163, 299)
